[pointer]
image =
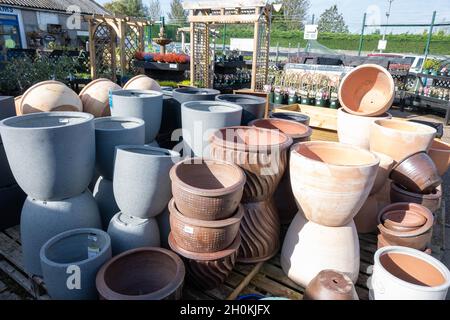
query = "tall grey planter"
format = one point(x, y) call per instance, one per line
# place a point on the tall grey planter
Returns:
point(111, 132)
point(142, 104)
point(42, 220)
point(51, 154)
point(201, 118)
point(104, 196)
point(70, 262)
point(7, 107)
point(253, 107)
point(142, 187)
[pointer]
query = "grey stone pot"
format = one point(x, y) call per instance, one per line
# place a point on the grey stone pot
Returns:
point(42, 220)
point(6, 176)
point(51, 154)
point(183, 95)
point(111, 132)
point(253, 107)
point(128, 232)
point(164, 228)
point(142, 187)
point(7, 107)
point(201, 119)
point(70, 262)
point(142, 104)
point(11, 202)
point(104, 196)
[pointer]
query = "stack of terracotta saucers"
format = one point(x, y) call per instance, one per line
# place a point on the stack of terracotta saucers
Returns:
point(205, 216)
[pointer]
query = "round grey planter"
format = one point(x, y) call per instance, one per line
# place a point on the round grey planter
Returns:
point(6, 176)
point(201, 119)
point(111, 132)
point(142, 186)
point(164, 228)
point(253, 107)
point(42, 220)
point(11, 202)
point(104, 196)
point(70, 262)
point(183, 95)
point(51, 154)
point(142, 104)
point(128, 232)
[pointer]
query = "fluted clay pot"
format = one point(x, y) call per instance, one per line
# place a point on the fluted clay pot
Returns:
point(355, 129)
point(310, 248)
point(297, 117)
point(384, 169)
point(401, 273)
point(207, 189)
point(440, 154)
point(50, 96)
point(297, 131)
point(95, 97)
point(183, 95)
point(431, 201)
point(142, 274)
point(142, 82)
point(81, 251)
point(330, 285)
point(51, 154)
point(203, 236)
point(42, 220)
point(331, 181)
point(207, 270)
point(253, 107)
point(366, 219)
point(367, 90)
point(104, 196)
point(400, 139)
point(141, 181)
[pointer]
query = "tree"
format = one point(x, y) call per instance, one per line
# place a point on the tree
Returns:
point(332, 21)
point(131, 8)
point(295, 12)
point(177, 14)
point(154, 10)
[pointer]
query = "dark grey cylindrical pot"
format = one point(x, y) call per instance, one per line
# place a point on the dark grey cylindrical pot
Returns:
point(142, 104)
point(142, 187)
point(111, 132)
point(51, 154)
point(183, 95)
point(201, 119)
point(253, 107)
point(171, 116)
point(11, 202)
point(70, 262)
point(104, 196)
point(164, 228)
point(128, 232)
point(42, 220)
point(7, 107)
point(6, 176)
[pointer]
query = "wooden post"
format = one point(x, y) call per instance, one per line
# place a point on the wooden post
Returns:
point(191, 13)
point(92, 28)
point(122, 36)
point(255, 51)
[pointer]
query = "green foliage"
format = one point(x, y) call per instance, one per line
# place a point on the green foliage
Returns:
point(332, 21)
point(154, 10)
point(432, 64)
point(131, 8)
point(294, 13)
point(177, 15)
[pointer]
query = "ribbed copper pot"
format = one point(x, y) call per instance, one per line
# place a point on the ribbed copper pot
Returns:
point(330, 285)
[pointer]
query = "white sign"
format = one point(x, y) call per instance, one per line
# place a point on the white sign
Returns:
point(241, 44)
point(382, 44)
point(311, 32)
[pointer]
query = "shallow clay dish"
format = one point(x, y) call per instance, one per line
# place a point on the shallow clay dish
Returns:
point(297, 131)
point(432, 200)
point(440, 154)
point(330, 285)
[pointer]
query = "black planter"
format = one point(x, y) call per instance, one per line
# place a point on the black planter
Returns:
point(253, 107)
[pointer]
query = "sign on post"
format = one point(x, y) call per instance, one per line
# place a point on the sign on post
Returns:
point(311, 32)
point(382, 44)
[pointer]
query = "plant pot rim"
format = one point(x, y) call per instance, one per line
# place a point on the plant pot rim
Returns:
point(138, 222)
point(137, 121)
point(93, 82)
point(428, 196)
point(204, 91)
point(106, 291)
point(208, 256)
point(255, 99)
point(167, 153)
point(404, 159)
point(416, 254)
point(308, 131)
point(440, 142)
point(288, 113)
point(425, 129)
point(9, 122)
point(130, 93)
point(234, 219)
point(207, 192)
point(67, 234)
point(385, 115)
point(231, 107)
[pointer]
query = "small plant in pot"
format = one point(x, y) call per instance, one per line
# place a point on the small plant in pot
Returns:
point(334, 101)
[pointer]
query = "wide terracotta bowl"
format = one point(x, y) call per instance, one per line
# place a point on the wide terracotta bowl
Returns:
point(367, 90)
point(203, 236)
point(330, 285)
point(95, 97)
point(432, 200)
point(297, 131)
point(400, 139)
point(207, 189)
point(142, 82)
point(331, 181)
point(440, 153)
point(142, 274)
point(384, 169)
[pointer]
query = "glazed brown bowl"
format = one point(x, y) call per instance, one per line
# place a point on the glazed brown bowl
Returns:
point(297, 131)
point(432, 200)
point(203, 236)
point(207, 189)
point(417, 173)
point(330, 285)
point(142, 274)
point(440, 153)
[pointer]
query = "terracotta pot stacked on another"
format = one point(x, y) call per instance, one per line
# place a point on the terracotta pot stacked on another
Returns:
point(205, 216)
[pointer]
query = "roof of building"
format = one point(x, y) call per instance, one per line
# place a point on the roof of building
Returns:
point(86, 6)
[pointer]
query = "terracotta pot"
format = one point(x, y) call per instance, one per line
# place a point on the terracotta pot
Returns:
point(331, 181)
point(207, 270)
point(330, 285)
point(355, 129)
point(297, 131)
point(95, 97)
point(384, 169)
point(322, 248)
point(49, 96)
point(207, 189)
point(416, 173)
point(142, 274)
point(431, 201)
point(17, 103)
point(417, 238)
point(253, 107)
point(142, 82)
point(401, 273)
point(366, 219)
point(440, 154)
point(400, 139)
point(367, 90)
point(297, 117)
point(203, 236)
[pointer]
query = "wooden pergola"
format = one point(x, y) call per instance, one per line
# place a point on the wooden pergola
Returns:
point(204, 14)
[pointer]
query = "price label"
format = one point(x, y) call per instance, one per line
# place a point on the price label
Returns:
point(172, 66)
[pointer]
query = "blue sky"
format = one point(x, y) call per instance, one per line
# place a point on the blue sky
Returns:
point(403, 11)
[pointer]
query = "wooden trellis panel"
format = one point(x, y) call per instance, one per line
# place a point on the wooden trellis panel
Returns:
point(133, 43)
point(102, 50)
point(200, 56)
point(261, 52)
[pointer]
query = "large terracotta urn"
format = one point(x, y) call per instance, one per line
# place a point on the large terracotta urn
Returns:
point(262, 154)
point(440, 153)
point(142, 82)
point(96, 97)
